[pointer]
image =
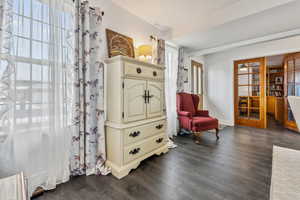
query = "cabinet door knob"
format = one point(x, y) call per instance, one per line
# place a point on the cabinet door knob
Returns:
point(138, 70)
point(154, 73)
point(134, 134)
point(159, 126)
point(159, 140)
point(135, 151)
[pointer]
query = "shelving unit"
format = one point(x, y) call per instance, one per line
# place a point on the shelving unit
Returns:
point(274, 87)
point(275, 91)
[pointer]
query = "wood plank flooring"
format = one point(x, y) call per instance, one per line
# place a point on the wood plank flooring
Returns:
point(237, 167)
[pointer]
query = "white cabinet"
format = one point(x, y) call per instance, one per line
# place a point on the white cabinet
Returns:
point(155, 106)
point(142, 99)
point(136, 121)
point(135, 107)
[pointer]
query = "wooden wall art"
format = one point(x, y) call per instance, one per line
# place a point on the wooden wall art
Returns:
point(118, 44)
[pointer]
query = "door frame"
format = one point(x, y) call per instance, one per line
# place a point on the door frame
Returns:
point(199, 65)
point(262, 123)
point(288, 124)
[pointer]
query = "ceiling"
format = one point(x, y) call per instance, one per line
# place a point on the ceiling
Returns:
point(204, 24)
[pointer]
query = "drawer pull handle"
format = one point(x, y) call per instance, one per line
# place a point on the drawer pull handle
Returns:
point(159, 126)
point(134, 151)
point(159, 140)
point(135, 134)
point(154, 73)
point(138, 70)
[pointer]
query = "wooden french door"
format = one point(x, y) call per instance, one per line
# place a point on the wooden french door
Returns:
point(250, 96)
point(292, 87)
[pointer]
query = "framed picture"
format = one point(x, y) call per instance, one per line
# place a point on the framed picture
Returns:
point(118, 44)
point(279, 80)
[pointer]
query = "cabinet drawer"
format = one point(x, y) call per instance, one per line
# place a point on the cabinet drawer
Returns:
point(135, 134)
point(142, 71)
point(137, 150)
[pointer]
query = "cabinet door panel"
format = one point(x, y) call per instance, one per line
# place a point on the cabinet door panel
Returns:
point(155, 105)
point(134, 102)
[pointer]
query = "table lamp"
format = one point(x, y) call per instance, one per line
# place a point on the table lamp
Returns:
point(145, 52)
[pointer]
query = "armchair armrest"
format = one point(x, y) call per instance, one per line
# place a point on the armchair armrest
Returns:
point(203, 113)
point(184, 114)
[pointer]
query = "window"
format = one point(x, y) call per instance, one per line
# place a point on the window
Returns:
point(197, 78)
point(42, 48)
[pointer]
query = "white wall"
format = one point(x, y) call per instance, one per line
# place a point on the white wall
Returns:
point(121, 21)
point(219, 98)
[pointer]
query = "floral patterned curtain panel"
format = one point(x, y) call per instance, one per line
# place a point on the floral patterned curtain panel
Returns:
point(161, 54)
point(181, 72)
point(88, 140)
point(158, 50)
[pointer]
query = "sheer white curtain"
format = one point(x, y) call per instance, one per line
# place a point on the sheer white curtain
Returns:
point(170, 88)
point(35, 90)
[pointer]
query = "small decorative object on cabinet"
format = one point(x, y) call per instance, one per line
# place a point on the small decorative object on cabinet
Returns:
point(136, 120)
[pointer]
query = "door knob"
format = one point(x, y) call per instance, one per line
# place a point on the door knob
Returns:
point(138, 70)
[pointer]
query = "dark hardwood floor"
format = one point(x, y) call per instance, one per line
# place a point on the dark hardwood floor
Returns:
point(237, 167)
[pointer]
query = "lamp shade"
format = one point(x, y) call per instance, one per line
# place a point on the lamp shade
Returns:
point(145, 50)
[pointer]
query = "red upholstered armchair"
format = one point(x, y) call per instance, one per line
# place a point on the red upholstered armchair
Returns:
point(192, 119)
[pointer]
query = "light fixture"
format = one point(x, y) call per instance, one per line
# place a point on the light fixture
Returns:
point(145, 52)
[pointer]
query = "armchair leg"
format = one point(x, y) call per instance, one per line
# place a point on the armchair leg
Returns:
point(196, 136)
point(217, 133)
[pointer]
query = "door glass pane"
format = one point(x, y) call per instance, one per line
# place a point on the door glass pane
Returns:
point(291, 89)
point(290, 76)
point(195, 78)
point(297, 90)
point(243, 112)
point(243, 107)
point(243, 79)
point(254, 114)
point(290, 66)
point(297, 77)
point(243, 102)
point(254, 90)
point(254, 67)
point(243, 91)
point(297, 64)
point(254, 102)
point(243, 68)
point(254, 79)
point(199, 81)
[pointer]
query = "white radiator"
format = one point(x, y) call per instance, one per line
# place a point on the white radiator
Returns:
point(13, 188)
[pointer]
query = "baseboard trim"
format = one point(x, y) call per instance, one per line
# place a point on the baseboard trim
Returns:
point(225, 122)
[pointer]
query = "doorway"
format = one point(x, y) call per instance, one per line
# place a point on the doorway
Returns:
point(275, 90)
point(262, 86)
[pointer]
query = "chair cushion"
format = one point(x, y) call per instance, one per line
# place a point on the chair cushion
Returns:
point(187, 103)
point(204, 121)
